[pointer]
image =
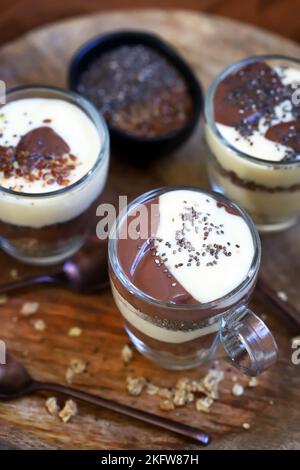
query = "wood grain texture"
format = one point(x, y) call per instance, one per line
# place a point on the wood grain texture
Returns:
point(279, 16)
point(208, 43)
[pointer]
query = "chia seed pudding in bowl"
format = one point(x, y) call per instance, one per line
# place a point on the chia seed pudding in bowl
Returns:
point(147, 93)
point(253, 135)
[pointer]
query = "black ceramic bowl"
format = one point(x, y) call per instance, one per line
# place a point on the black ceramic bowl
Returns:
point(130, 143)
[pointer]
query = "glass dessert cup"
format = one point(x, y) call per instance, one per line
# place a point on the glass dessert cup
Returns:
point(268, 190)
point(47, 227)
point(183, 336)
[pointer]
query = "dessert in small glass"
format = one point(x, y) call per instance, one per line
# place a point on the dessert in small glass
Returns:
point(54, 155)
point(183, 263)
point(253, 133)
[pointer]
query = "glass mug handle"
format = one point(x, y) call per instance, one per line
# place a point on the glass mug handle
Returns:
point(248, 342)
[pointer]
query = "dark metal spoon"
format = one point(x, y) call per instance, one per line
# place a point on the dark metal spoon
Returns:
point(16, 382)
point(85, 272)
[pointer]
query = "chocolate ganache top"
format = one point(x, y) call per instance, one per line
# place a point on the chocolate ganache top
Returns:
point(258, 98)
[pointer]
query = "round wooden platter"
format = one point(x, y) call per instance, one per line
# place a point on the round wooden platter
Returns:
point(272, 409)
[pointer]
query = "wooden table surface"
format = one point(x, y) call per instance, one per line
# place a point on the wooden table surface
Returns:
point(272, 408)
point(279, 16)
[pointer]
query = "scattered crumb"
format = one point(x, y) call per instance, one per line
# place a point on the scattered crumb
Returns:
point(282, 295)
point(166, 405)
point(135, 385)
point(69, 375)
point(237, 390)
point(253, 382)
point(29, 308)
point(204, 404)
point(246, 426)
point(271, 402)
point(75, 331)
point(184, 392)
point(264, 316)
point(126, 354)
point(70, 409)
point(296, 342)
point(3, 299)
point(14, 273)
point(78, 366)
point(234, 378)
point(182, 383)
point(164, 392)
point(52, 406)
point(180, 397)
point(39, 325)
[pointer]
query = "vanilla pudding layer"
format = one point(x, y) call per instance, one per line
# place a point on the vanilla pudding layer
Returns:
point(36, 207)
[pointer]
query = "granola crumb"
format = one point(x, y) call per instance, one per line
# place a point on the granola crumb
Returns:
point(246, 426)
point(75, 331)
point(182, 383)
point(69, 375)
point(135, 385)
point(152, 389)
point(271, 402)
point(29, 308)
point(39, 325)
point(166, 405)
point(126, 354)
point(253, 382)
point(69, 410)
point(282, 295)
point(52, 406)
point(14, 273)
point(3, 299)
point(77, 366)
point(237, 390)
point(204, 404)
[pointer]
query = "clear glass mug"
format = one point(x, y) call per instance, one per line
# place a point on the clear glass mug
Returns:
point(268, 191)
point(62, 218)
point(186, 336)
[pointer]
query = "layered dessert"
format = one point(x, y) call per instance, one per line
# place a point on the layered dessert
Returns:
point(52, 171)
point(188, 261)
point(253, 132)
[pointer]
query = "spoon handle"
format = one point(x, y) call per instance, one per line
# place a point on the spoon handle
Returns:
point(201, 437)
point(27, 281)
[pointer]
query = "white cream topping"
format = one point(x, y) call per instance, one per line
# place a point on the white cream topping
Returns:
point(204, 282)
point(67, 120)
point(258, 146)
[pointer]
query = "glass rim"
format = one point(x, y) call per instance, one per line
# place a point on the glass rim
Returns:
point(209, 115)
point(93, 115)
point(126, 282)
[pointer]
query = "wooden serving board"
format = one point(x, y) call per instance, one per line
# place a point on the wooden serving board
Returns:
point(209, 44)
